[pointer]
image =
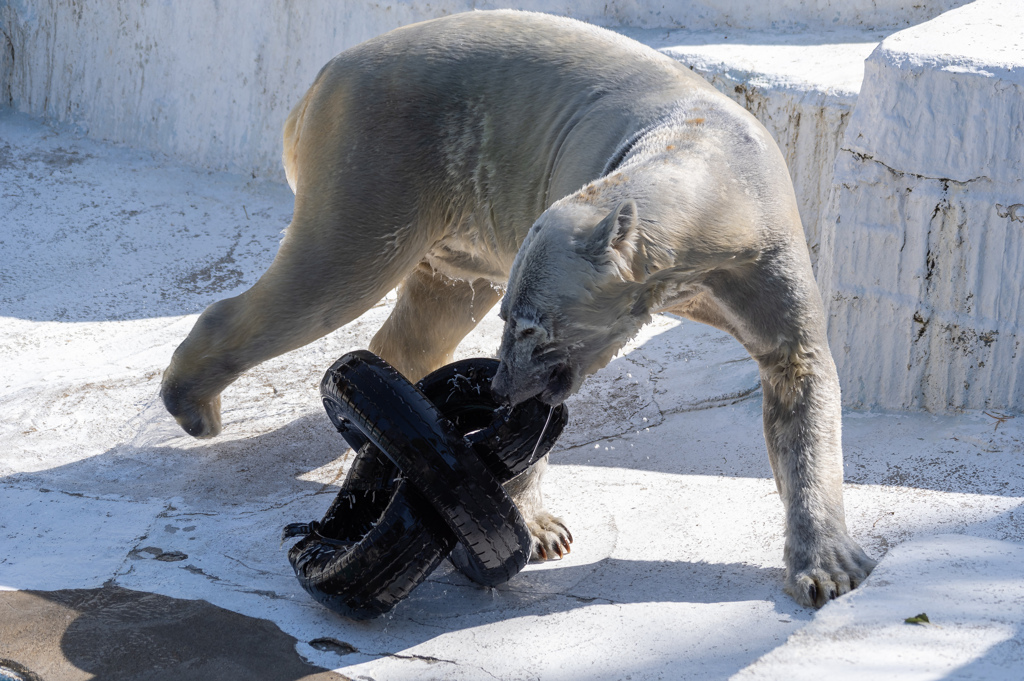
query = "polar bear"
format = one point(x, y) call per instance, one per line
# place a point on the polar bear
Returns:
point(595, 180)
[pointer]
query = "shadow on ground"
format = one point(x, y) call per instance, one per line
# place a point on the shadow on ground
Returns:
point(202, 473)
point(118, 634)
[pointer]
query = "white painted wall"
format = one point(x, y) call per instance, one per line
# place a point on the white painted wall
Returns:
point(211, 82)
point(924, 273)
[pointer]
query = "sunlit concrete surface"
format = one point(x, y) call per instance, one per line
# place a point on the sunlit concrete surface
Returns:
point(107, 254)
point(895, 120)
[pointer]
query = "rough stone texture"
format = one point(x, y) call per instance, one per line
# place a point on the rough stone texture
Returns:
point(924, 241)
point(213, 85)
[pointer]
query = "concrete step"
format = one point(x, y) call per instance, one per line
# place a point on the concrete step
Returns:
point(922, 255)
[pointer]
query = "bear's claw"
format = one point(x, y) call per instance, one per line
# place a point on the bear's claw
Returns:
point(550, 536)
point(828, 573)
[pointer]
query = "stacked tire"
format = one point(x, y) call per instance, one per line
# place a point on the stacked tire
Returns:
point(430, 461)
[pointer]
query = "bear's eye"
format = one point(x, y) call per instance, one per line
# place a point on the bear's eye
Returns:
point(528, 331)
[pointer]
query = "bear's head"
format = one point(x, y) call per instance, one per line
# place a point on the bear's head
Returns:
point(573, 300)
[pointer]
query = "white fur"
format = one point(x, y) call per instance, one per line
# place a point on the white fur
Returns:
point(604, 180)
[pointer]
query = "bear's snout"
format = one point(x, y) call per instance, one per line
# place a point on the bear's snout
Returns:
point(551, 385)
point(503, 387)
point(511, 388)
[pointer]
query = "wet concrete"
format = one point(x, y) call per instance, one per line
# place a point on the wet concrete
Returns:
point(120, 634)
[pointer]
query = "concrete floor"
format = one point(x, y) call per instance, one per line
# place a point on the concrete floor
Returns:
point(114, 633)
point(132, 551)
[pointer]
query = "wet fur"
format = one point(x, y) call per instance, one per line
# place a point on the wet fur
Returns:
point(602, 181)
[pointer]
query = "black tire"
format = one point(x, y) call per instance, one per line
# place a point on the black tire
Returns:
point(381, 538)
point(507, 440)
point(400, 420)
point(378, 541)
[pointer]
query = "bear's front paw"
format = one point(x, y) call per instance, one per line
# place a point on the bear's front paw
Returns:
point(826, 570)
point(551, 537)
point(198, 419)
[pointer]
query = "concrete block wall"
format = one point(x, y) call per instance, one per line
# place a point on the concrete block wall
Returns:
point(923, 245)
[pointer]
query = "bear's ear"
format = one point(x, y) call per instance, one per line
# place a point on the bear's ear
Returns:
point(614, 232)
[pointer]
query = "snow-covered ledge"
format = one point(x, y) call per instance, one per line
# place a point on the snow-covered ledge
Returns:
point(922, 262)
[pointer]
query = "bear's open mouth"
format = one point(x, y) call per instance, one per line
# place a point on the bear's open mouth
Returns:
point(559, 385)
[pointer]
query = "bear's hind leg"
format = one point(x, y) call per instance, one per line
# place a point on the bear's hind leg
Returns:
point(432, 316)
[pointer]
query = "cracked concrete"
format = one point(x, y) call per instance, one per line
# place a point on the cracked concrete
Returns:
point(865, 156)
